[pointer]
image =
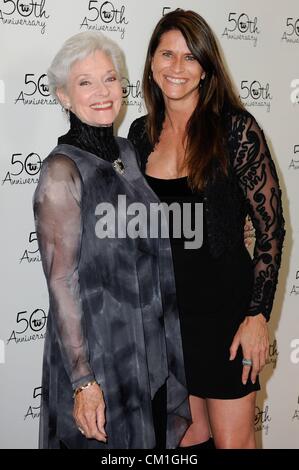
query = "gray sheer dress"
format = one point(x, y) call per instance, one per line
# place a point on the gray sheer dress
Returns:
point(113, 314)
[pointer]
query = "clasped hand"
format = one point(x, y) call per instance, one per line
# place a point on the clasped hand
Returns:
point(89, 413)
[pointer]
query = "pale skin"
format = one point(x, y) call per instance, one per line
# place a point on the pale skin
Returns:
point(89, 413)
point(93, 92)
point(178, 74)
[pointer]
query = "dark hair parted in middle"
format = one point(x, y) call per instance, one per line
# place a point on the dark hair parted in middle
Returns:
point(205, 152)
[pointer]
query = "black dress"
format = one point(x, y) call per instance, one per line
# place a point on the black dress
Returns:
point(212, 295)
point(218, 285)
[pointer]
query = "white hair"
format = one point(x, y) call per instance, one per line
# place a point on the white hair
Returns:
point(78, 47)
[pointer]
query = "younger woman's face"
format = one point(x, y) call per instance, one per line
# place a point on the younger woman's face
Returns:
point(175, 69)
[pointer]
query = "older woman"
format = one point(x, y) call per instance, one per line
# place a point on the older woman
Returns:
point(113, 354)
point(198, 144)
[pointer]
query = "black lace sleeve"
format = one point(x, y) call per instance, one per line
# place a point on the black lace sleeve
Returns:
point(138, 136)
point(258, 179)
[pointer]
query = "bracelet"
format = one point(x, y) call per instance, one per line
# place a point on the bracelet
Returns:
point(83, 387)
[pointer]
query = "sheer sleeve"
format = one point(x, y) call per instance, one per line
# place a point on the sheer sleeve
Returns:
point(259, 181)
point(58, 224)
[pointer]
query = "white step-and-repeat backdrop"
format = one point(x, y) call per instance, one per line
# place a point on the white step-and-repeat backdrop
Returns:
point(260, 40)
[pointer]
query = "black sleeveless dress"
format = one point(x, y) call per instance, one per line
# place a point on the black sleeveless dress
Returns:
point(213, 295)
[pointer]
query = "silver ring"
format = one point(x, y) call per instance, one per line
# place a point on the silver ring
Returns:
point(81, 430)
point(246, 362)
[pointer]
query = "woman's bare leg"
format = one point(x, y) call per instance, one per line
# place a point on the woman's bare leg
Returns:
point(232, 422)
point(199, 430)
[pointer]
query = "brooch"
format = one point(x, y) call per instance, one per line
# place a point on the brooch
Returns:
point(119, 166)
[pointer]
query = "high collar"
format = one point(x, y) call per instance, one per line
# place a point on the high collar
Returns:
point(97, 140)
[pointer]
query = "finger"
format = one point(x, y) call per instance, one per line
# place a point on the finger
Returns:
point(96, 434)
point(245, 374)
point(92, 429)
point(254, 374)
point(101, 421)
point(87, 420)
point(262, 359)
point(267, 352)
point(255, 367)
point(100, 437)
point(246, 368)
point(234, 347)
point(92, 433)
point(82, 425)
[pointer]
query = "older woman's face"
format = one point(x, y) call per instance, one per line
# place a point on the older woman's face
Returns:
point(93, 90)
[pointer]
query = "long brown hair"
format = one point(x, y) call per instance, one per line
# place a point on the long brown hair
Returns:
point(205, 152)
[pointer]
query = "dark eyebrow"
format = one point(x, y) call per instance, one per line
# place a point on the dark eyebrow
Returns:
point(171, 50)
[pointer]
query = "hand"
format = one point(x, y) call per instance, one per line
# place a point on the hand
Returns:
point(249, 232)
point(253, 337)
point(89, 412)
